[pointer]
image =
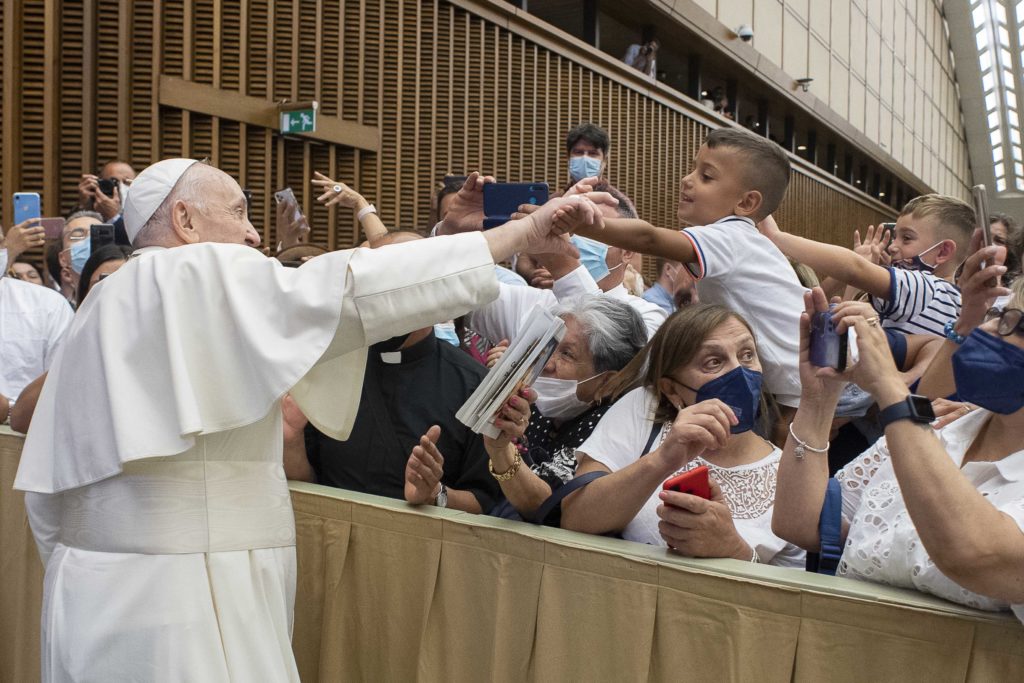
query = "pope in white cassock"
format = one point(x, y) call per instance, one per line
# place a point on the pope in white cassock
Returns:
point(152, 470)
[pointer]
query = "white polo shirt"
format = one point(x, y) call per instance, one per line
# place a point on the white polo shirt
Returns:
point(740, 268)
point(33, 321)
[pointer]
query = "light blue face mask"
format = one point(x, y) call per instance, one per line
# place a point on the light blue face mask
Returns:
point(446, 332)
point(583, 167)
point(593, 255)
point(80, 252)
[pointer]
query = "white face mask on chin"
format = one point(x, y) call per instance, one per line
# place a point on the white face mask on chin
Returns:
point(556, 398)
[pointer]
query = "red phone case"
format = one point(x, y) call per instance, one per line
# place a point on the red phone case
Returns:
point(695, 482)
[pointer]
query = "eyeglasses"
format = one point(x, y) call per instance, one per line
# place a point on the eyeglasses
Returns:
point(1009, 320)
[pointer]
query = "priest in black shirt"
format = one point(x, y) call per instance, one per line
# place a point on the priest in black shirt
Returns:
point(412, 386)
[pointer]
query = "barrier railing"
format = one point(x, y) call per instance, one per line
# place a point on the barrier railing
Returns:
point(388, 593)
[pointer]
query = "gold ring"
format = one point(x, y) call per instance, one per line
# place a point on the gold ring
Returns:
point(873, 322)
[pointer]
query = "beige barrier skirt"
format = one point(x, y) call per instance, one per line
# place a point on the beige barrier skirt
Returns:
point(388, 593)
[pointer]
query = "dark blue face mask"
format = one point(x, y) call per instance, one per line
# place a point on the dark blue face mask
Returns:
point(989, 372)
point(740, 389)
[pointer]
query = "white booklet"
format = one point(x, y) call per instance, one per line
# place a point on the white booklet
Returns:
point(526, 357)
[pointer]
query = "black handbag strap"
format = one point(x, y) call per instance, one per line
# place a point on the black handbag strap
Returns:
point(556, 498)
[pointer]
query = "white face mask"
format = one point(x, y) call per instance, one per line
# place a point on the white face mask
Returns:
point(556, 398)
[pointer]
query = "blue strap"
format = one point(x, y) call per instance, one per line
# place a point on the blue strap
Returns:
point(830, 528)
point(562, 491)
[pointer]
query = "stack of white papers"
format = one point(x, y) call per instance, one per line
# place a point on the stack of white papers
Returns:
point(519, 366)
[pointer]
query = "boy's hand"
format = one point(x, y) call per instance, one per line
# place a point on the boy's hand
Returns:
point(579, 213)
point(873, 248)
point(769, 228)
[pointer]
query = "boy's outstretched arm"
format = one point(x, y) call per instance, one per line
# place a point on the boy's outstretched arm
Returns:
point(830, 261)
point(626, 233)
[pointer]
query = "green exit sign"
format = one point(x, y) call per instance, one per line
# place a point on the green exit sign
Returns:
point(298, 121)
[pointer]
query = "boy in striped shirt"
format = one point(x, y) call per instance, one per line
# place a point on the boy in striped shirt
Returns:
point(916, 293)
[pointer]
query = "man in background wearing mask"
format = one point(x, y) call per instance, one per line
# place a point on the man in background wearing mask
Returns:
point(406, 442)
point(587, 147)
point(75, 250)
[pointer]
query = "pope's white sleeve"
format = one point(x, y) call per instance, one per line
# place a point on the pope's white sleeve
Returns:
point(44, 515)
point(403, 287)
point(576, 283)
point(501, 318)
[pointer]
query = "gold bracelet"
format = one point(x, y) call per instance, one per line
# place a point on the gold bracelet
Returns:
point(517, 460)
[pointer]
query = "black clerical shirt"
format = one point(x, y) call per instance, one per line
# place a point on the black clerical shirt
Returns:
point(404, 393)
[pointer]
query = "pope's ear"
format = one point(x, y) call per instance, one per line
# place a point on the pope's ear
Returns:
point(181, 223)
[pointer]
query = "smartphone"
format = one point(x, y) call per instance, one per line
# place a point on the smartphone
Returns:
point(828, 347)
point(100, 235)
point(26, 206)
point(501, 200)
point(695, 482)
point(53, 228)
point(107, 186)
point(981, 215)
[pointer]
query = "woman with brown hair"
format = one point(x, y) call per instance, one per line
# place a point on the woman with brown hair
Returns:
point(697, 404)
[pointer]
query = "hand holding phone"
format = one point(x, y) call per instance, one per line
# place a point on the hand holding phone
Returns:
point(695, 482)
point(501, 200)
point(828, 348)
point(26, 206)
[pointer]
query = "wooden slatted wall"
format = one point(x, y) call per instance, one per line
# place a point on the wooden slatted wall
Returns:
point(449, 91)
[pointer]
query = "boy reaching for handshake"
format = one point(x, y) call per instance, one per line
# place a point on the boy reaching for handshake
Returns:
point(739, 178)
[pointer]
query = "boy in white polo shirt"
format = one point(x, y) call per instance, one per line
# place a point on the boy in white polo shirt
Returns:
point(739, 178)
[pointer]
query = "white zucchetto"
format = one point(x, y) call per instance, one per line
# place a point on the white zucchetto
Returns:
point(149, 190)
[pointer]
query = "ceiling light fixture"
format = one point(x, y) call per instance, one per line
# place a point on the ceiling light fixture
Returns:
point(805, 83)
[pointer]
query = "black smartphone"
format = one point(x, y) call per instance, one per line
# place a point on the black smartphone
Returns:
point(828, 347)
point(100, 235)
point(107, 186)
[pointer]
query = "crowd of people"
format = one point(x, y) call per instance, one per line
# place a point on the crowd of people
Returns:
point(709, 366)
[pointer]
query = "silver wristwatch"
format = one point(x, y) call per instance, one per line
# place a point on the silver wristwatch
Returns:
point(442, 497)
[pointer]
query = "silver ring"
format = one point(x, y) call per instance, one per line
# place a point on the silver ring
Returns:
point(337, 189)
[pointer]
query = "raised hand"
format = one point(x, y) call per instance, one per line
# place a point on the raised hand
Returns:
point(337, 193)
point(87, 187)
point(22, 237)
point(424, 469)
point(466, 210)
point(873, 248)
point(697, 429)
point(108, 207)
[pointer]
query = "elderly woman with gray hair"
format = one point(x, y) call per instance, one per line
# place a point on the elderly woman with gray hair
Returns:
point(536, 451)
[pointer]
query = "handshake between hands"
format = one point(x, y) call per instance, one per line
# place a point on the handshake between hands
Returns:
point(546, 225)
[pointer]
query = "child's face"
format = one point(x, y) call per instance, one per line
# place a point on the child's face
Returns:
point(914, 235)
point(714, 187)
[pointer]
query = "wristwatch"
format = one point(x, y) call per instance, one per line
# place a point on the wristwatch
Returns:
point(442, 497)
point(914, 408)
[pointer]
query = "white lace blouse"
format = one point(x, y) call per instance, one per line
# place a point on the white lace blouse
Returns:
point(620, 439)
point(883, 544)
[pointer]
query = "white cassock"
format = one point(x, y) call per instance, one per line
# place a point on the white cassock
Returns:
point(153, 468)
